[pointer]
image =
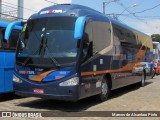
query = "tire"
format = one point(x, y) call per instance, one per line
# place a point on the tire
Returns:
point(143, 79)
point(105, 90)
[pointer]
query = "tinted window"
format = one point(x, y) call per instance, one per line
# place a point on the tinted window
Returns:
point(124, 35)
point(13, 39)
point(11, 43)
point(100, 34)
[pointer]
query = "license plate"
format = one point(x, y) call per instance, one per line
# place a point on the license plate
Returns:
point(38, 91)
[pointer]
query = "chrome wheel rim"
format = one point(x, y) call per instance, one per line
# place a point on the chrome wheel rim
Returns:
point(104, 88)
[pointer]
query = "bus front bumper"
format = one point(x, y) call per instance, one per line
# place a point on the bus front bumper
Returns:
point(48, 96)
point(51, 90)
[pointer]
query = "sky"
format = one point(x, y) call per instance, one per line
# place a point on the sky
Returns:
point(142, 21)
point(143, 15)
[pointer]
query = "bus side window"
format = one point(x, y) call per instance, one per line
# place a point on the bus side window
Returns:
point(13, 39)
point(101, 36)
point(4, 42)
point(87, 47)
point(1, 38)
point(88, 41)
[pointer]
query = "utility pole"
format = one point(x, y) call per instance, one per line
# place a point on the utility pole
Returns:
point(20, 9)
point(0, 7)
point(104, 8)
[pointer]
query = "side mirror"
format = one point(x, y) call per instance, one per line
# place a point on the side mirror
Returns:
point(10, 27)
point(79, 27)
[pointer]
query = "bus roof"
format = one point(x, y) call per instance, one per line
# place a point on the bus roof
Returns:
point(69, 10)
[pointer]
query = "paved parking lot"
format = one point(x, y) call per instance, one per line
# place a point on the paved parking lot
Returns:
point(131, 98)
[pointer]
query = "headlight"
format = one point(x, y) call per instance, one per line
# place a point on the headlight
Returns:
point(71, 82)
point(16, 79)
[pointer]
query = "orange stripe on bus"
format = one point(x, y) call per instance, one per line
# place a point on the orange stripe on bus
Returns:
point(129, 66)
point(41, 76)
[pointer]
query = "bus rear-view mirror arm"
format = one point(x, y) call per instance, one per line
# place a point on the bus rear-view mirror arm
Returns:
point(15, 25)
point(79, 27)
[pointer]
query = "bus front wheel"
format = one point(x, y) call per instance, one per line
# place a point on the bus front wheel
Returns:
point(104, 90)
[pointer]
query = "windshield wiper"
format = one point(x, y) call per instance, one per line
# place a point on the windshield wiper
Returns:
point(41, 50)
point(37, 38)
point(28, 58)
point(52, 57)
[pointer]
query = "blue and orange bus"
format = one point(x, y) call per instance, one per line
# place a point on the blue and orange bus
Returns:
point(7, 56)
point(69, 52)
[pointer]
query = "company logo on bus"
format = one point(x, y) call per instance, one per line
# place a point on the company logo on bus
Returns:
point(27, 72)
point(51, 11)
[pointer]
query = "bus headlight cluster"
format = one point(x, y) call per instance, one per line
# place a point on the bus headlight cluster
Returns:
point(16, 79)
point(71, 82)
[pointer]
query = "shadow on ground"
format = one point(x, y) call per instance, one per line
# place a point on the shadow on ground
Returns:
point(8, 96)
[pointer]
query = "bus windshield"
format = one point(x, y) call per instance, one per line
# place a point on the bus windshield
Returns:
point(48, 41)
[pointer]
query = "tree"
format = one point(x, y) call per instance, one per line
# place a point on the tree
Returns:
point(155, 37)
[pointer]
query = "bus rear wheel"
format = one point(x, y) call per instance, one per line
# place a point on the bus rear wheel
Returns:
point(105, 90)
